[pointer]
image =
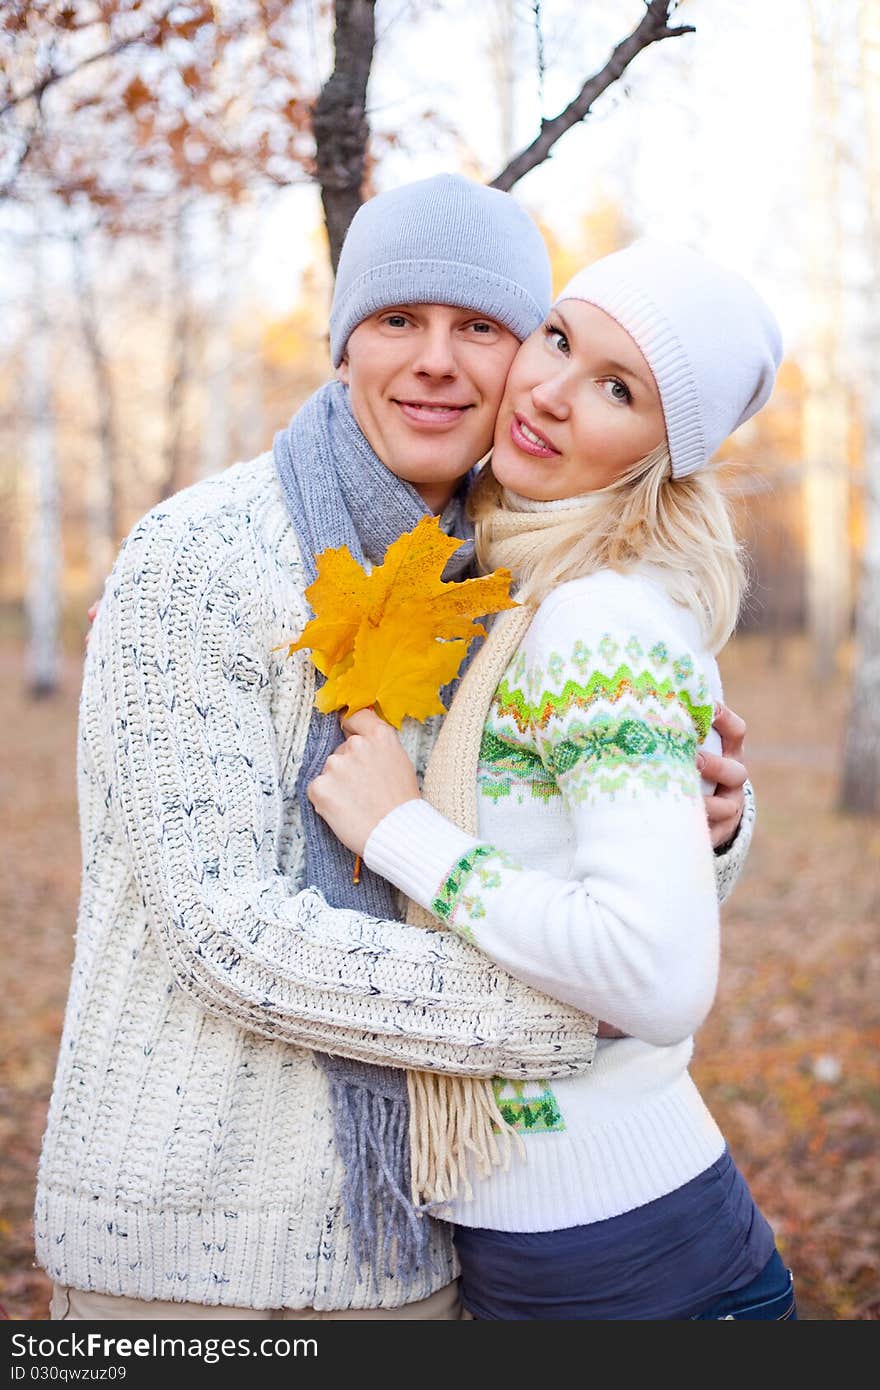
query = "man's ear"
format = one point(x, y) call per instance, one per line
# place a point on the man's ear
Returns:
point(342, 370)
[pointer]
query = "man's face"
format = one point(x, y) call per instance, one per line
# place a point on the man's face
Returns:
point(425, 382)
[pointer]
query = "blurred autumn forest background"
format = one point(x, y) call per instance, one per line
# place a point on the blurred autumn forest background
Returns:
point(175, 182)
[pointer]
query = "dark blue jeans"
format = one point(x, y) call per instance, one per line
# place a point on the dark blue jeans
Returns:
point(769, 1297)
point(703, 1250)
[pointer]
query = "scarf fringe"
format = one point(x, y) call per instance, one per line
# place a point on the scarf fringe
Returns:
point(453, 1119)
point(388, 1235)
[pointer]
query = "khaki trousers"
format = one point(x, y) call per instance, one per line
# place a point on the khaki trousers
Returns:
point(75, 1305)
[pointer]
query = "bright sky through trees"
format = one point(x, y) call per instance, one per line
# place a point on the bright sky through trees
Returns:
point(710, 146)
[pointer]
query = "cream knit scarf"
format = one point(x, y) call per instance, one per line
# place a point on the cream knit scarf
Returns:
point(452, 1117)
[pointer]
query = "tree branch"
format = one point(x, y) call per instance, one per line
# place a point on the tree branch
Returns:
point(339, 119)
point(652, 28)
point(37, 91)
point(27, 143)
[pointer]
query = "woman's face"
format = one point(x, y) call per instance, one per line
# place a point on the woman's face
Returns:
point(580, 407)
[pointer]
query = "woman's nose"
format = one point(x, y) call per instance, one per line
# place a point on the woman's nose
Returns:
point(552, 395)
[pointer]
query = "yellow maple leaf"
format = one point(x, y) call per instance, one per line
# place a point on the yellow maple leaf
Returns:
point(392, 638)
point(397, 669)
point(340, 598)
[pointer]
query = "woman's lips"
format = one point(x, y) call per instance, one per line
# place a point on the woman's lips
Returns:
point(530, 440)
point(432, 415)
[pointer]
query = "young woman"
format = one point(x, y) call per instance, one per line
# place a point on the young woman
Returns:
point(561, 827)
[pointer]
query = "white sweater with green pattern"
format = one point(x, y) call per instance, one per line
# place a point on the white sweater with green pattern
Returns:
point(591, 878)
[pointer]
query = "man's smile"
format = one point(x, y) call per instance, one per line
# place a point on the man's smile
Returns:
point(431, 414)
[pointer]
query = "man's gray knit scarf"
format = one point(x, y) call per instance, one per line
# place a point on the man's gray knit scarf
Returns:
point(339, 492)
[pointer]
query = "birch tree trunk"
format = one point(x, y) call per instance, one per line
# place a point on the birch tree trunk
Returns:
point(180, 364)
point(215, 445)
point(826, 410)
point(42, 552)
point(502, 56)
point(252, 434)
point(860, 786)
point(103, 501)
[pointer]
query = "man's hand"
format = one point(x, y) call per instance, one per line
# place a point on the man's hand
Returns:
point(725, 807)
point(91, 614)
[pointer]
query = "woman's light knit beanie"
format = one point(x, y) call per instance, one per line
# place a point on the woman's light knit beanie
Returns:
point(712, 343)
point(442, 240)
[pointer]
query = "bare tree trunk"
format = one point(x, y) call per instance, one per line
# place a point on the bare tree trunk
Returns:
point(860, 786)
point(826, 411)
point(339, 120)
point(172, 474)
point(103, 502)
point(43, 557)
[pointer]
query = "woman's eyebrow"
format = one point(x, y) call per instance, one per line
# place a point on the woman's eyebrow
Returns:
point(631, 372)
point(557, 313)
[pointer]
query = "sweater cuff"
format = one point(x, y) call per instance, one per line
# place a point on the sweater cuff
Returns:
point(414, 847)
point(729, 860)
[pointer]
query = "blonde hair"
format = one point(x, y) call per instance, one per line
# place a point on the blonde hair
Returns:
point(682, 525)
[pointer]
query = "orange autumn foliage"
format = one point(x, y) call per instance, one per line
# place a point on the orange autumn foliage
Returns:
point(392, 638)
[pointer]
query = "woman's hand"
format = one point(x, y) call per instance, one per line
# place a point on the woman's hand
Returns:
point(724, 809)
point(366, 777)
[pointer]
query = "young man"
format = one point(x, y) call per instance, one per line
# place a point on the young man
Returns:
point(229, 1079)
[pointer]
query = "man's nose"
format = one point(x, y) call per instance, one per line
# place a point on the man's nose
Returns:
point(435, 353)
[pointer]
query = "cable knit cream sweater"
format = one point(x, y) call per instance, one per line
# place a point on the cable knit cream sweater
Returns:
point(189, 1147)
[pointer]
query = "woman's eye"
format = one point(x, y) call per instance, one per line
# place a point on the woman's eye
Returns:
point(396, 320)
point(556, 338)
point(482, 327)
point(617, 390)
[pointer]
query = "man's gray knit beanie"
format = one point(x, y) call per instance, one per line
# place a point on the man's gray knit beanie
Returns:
point(443, 240)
